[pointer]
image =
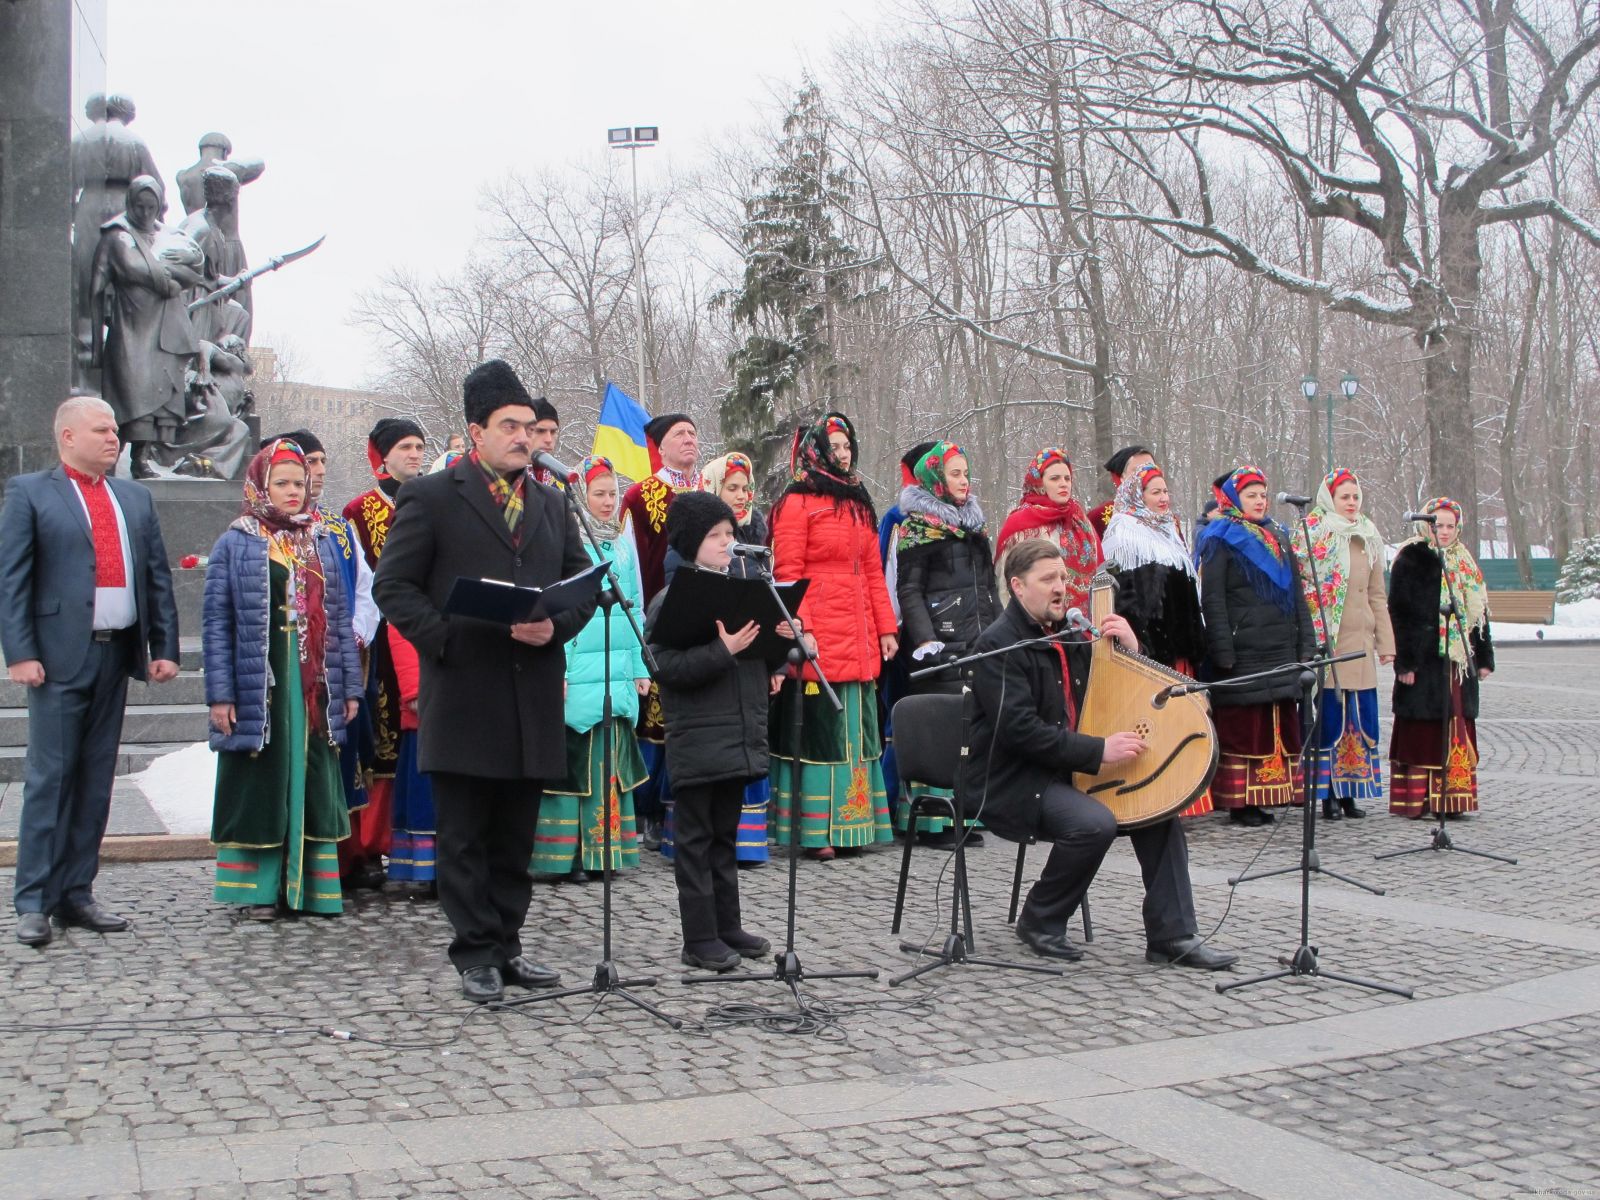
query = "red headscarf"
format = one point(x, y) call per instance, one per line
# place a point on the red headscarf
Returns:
point(1069, 524)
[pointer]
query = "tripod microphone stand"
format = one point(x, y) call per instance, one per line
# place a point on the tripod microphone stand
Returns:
point(787, 968)
point(1309, 859)
point(1304, 960)
point(1450, 609)
point(607, 979)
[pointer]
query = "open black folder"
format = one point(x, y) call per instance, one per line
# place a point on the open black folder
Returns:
point(507, 604)
point(697, 600)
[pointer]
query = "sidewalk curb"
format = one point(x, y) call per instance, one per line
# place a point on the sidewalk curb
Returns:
point(137, 848)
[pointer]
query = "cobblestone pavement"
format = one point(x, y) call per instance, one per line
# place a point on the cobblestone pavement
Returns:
point(175, 1048)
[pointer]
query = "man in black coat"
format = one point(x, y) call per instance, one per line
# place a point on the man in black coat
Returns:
point(1024, 751)
point(491, 705)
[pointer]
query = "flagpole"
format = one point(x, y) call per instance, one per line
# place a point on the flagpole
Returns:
point(634, 138)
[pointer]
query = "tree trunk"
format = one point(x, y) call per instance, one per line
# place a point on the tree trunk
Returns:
point(1447, 366)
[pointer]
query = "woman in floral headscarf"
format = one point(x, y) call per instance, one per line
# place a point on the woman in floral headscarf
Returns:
point(824, 530)
point(283, 678)
point(1428, 691)
point(731, 479)
point(1157, 590)
point(944, 578)
point(569, 842)
point(1256, 620)
point(1048, 509)
point(1350, 615)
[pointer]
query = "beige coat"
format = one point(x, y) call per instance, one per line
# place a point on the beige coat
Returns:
point(1365, 623)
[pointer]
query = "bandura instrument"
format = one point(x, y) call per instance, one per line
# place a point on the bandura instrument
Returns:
point(1127, 693)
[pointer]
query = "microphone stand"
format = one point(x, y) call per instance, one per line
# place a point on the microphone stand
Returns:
point(787, 968)
point(1450, 608)
point(1304, 960)
point(1311, 755)
point(956, 947)
point(607, 979)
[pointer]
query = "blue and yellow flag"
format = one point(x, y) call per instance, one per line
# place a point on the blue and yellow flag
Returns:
point(619, 434)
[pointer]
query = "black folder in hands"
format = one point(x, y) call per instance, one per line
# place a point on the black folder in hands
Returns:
point(697, 600)
point(507, 604)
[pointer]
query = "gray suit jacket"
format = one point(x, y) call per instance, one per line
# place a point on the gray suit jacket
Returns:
point(47, 574)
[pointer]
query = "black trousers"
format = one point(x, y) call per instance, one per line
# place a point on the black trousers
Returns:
point(1082, 830)
point(705, 830)
point(483, 844)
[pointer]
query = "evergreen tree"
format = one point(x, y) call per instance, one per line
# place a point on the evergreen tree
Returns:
point(1580, 574)
point(799, 275)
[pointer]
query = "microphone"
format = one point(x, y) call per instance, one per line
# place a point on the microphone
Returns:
point(1082, 624)
point(740, 550)
point(555, 466)
point(1428, 518)
point(1291, 498)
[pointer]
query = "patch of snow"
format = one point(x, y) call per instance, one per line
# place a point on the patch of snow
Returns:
point(180, 786)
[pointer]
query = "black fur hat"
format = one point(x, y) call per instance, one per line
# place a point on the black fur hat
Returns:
point(491, 386)
point(658, 427)
point(308, 442)
point(690, 517)
point(1117, 464)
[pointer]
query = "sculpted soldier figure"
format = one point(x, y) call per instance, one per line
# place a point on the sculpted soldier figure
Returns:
point(141, 271)
point(215, 151)
point(215, 229)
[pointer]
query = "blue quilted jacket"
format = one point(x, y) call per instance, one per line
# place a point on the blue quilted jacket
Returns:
point(234, 637)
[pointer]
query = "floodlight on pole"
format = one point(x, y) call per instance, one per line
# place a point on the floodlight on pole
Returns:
point(634, 138)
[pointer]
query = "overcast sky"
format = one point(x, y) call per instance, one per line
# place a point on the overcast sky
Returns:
point(380, 121)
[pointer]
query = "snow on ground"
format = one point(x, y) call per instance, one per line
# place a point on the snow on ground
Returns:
point(1580, 620)
point(179, 787)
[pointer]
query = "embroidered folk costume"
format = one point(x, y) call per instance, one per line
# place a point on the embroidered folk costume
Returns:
point(1350, 614)
point(1256, 620)
point(372, 830)
point(570, 838)
point(1425, 639)
point(279, 647)
point(1036, 515)
point(644, 522)
point(824, 530)
point(1158, 592)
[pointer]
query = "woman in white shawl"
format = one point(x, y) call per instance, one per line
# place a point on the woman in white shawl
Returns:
point(1349, 614)
point(1157, 591)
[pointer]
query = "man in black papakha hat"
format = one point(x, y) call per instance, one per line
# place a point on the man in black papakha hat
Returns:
point(490, 705)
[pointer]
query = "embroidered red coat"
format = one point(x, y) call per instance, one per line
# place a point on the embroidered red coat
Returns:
point(646, 505)
point(847, 606)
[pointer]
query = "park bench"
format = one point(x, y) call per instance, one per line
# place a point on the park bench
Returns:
point(1517, 606)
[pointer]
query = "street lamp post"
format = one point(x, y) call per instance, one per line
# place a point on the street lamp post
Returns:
point(1349, 385)
point(634, 139)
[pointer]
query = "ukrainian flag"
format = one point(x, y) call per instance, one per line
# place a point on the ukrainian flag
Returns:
point(619, 434)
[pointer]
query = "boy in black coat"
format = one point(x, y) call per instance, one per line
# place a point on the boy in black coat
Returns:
point(716, 721)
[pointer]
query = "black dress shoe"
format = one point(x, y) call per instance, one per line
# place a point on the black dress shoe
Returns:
point(1350, 809)
point(937, 839)
point(1050, 945)
point(1189, 952)
point(1250, 818)
point(974, 839)
point(1330, 813)
point(90, 916)
point(482, 985)
point(715, 955)
point(746, 945)
point(1264, 816)
point(525, 973)
point(33, 929)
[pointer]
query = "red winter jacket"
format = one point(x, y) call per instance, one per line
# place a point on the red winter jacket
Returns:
point(847, 606)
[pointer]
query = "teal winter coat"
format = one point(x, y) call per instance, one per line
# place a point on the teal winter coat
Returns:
point(586, 652)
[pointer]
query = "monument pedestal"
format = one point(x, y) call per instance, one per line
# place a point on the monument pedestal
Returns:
point(193, 513)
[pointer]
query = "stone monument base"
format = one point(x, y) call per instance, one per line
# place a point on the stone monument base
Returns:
point(193, 513)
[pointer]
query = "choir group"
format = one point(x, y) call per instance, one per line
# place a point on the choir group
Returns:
point(318, 789)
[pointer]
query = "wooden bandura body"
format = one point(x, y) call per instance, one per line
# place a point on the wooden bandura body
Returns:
point(1122, 697)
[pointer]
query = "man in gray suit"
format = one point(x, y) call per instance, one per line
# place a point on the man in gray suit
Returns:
point(85, 604)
